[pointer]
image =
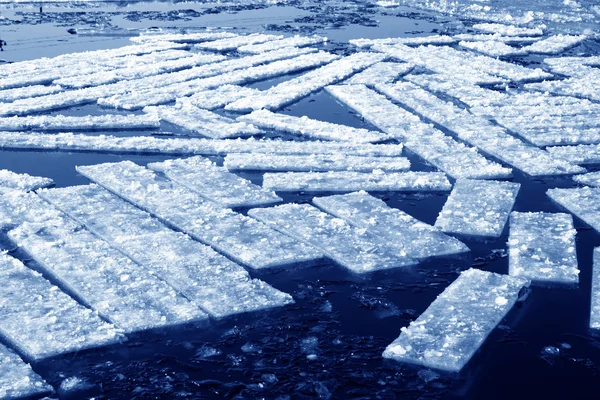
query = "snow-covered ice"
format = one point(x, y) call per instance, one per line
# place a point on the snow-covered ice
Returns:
point(589, 179)
point(196, 37)
point(26, 182)
point(76, 123)
point(595, 301)
point(293, 41)
point(9, 95)
point(581, 154)
point(382, 72)
point(583, 202)
point(492, 48)
point(508, 30)
point(415, 41)
point(17, 379)
point(236, 42)
point(554, 44)
point(220, 96)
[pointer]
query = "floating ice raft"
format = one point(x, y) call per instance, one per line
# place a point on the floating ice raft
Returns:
point(17, 379)
point(478, 208)
point(233, 43)
point(595, 302)
point(293, 41)
point(455, 325)
point(70, 123)
point(220, 96)
point(416, 41)
point(583, 202)
point(28, 91)
point(196, 37)
point(589, 179)
point(26, 182)
point(349, 246)
point(215, 183)
point(508, 30)
point(581, 154)
point(382, 72)
point(492, 48)
point(555, 44)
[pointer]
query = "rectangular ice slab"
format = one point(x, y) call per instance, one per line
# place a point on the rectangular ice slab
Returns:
point(244, 239)
point(233, 43)
point(595, 306)
point(28, 91)
point(17, 379)
point(541, 247)
point(400, 231)
point(215, 183)
point(69, 123)
point(492, 48)
point(582, 154)
point(456, 324)
point(196, 37)
point(221, 96)
point(413, 41)
point(219, 286)
point(294, 41)
point(383, 72)
point(296, 88)
point(101, 277)
point(201, 122)
point(589, 179)
point(583, 202)
point(351, 247)
point(311, 128)
point(315, 163)
point(40, 320)
point(508, 30)
point(12, 180)
point(555, 44)
point(350, 181)
point(478, 208)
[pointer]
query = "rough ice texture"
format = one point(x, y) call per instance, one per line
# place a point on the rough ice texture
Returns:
point(201, 122)
point(455, 325)
point(382, 72)
point(311, 128)
point(351, 247)
point(349, 181)
point(582, 154)
point(417, 41)
point(219, 286)
point(40, 320)
point(313, 162)
point(9, 95)
point(478, 37)
point(221, 96)
point(294, 89)
point(215, 183)
point(400, 231)
point(70, 123)
point(595, 303)
point(493, 48)
point(196, 37)
point(508, 30)
point(441, 151)
point(478, 208)
point(478, 131)
point(541, 247)
point(12, 180)
point(578, 86)
point(294, 41)
point(583, 202)
point(589, 179)
point(572, 66)
point(209, 147)
point(555, 44)
point(17, 379)
point(245, 240)
point(234, 43)
point(104, 279)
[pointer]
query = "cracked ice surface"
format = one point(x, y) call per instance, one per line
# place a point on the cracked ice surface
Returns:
point(595, 303)
point(312, 128)
point(220, 96)
point(349, 181)
point(296, 88)
point(218, 285)
point(541, 247)
point(247, 241)
point(313, 162)
point(589, 179)
point(352, 247)
point(402, 232)
point(26, 182)
point(17, 379)
point(478, 208)
point(382, 72)
point(237, 41)
point(294, 41)
point(215, 183)
point(508, 30)
point(103, 278)
point(455, 325)
point(441, 151)
point(201, 122)
point(68, 123)
point(583, 202)
point(55, 323)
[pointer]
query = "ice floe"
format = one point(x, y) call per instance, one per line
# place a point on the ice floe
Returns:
point(17, 379)
point(293, 41)
point(583, 202)
point(12, 180)
point(234, 43)
point(76, 123)
point(382, 72)
point(220, 96)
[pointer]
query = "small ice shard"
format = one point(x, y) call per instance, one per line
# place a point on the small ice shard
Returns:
point(233, 43)
point(583, 202)
point(195, 37)
point(595, 301)
point(414, 41)
point(555, 44)
point(76, 123)
point(349, 181)
point(478, 208)
point(589, 179)
point(26, 182)
point(17, 379)
point(542, 247)
point(454, 326)
point(293, 41)
point(220, 96)
point(508, 30)
point(215, 183)
point(382, 72)
point(349, 246)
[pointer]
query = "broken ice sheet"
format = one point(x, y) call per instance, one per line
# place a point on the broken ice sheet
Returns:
point(293, 41)
point(555, 44)
point(220, 96)
point(595, 302)
point(454, 326)
point(195, 37)
point(17, 379)
point(233, 43)
point(26, 182)
point(382, 72)
point(589, 179)
point(492, 48)
point(581, 154)
point(477, 208)
point(76, 123)
point(542, 247)
point(583, 202)
point(508, 30)
point(215, 183)
point(421, 40)
point(28, 91)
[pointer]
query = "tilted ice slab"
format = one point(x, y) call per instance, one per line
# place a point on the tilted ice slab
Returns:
point(215, 183)
point(110, 283)
point(349, 246)
point(245, 240)
point(196, 37)
point(478, 208)
point(221, 96)
point(70, 123)
point(589, 179)
point(236, 42)
point(541, 247)
point(17, 379)
point(399, 230)
point(294, 89)
point(508, 30)
point(313, 162)
point(201, 122)
point(311, 128)
point(583, 202)
point(595, 302)
point(349, 181)
point(555, 44)
point(208, 147)
point(441, 151)
point(26, 182)
point(492, 48)
point(294, 41)
point(455, 325)
point(582, 154)
point(219, 286)
point(9, 95)
point(382, 72)
point(434, 39)
point(479, 132)
point(40, 320)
